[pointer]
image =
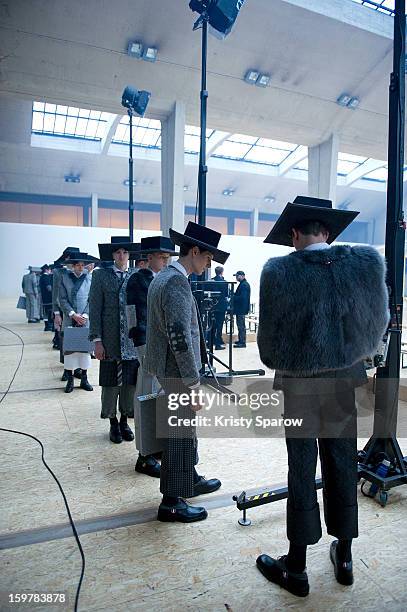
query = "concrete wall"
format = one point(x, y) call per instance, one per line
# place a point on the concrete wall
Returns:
point(22, 245)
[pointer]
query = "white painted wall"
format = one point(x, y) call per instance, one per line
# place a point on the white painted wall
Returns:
point(22, 245)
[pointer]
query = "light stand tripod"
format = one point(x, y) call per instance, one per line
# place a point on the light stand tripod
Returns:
point(131, 198)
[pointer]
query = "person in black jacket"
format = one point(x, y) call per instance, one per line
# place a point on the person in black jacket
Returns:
point(220, 308)
point(156, 251)
point(46, 296)
point(241, 307)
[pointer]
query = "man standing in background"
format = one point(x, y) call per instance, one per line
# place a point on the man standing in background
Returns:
point(30, 289)
point(241, 307)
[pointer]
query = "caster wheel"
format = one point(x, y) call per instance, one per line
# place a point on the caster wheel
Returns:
point(383, 498)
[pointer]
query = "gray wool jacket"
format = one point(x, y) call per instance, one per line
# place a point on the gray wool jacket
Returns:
point(74, 295)
point(322, 310)
point(107, 314)
point(173, 336)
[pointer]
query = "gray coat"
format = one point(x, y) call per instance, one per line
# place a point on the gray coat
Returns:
point(107, 313)
point(322, 310)
point(173, 336)
point(56, 283)
point(73, 296)
point(30, 284)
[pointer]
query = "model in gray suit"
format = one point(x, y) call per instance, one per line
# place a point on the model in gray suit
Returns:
point(174, 345)
point(113, 347)
point(30, 289)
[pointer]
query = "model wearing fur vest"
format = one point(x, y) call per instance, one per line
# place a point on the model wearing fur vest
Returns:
point(322, 310)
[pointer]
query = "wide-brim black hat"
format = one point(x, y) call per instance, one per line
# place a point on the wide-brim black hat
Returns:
point(107, 249)
point(66, 254)
point(84, 257)
point(305, 209)
point(157, 244)
point(204, 237)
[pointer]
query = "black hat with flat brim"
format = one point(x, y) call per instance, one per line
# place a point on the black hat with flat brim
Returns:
point(82, 257)
point(157, 244)
point(107, 249)
point(204, 237)
point(305, 209)
point(66, 254)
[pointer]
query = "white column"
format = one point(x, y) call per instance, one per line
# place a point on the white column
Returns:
point(172, 170)
point(254, 222)
point(322, 169)
point(94, 211)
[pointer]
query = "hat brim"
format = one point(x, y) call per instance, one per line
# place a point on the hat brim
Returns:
point(107, 249)
point(335, 220)
point(149, 251)
point(218, 255)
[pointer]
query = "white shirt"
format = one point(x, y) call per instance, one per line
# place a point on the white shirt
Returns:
point(317, 246)
point(118, 271)
point(180, 267)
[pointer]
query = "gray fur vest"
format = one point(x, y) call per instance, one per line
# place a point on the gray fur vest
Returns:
point(322, 310)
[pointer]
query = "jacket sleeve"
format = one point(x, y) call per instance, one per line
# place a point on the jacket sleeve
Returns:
point(65, 304)
point(55, 288)
point(177, 303)
point(269, 324)
point(96, 302)
point(134, 298)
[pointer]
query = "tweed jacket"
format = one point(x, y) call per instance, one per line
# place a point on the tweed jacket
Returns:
point(173, 346)
point(107, 313)
point(137, 289)
point(29, 284)
point(56, 283)
point(322, 310)
point(74, 295)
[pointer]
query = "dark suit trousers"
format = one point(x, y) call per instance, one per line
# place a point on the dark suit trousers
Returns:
point(241, 327)
point(338, 456)
point(218, 320)
point(180, 448)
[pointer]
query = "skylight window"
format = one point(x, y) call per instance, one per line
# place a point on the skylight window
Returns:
point(255, 150)
point(192, 138)
point(69, 121)
point(382, 6)
point(146, 132)
point(379, 175)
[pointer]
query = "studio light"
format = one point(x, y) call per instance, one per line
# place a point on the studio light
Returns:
point(150, 54)
point(135, 100)
point(221, 14)
point(135, 49)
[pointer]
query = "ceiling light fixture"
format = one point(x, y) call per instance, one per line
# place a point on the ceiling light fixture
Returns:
point(135, 49)
point(126, 182)
point(270, 199)
point(228, 192)
point(348, 101)
point(354, 103)
point(72, 178)
point(251, 76)
point(263, 80)
point(150, 54)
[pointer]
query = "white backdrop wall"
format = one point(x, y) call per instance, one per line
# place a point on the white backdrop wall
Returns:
point(22, 245)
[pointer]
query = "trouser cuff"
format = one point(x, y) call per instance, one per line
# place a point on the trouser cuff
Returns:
point(303, 526)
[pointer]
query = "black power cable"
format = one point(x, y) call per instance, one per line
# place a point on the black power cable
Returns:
point(22, 433)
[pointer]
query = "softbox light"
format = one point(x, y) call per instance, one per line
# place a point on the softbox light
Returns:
point(222, 14)
point(135, 100)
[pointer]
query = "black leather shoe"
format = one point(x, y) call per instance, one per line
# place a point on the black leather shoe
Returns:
point(64, 376)
point(85, 384)
point(148, 465)
point(219, 348)
point(181, 512)
point(115, 433)
point(77, 373)
point(206, 486)
point(343, 569)
point(126, 432)
point(276, 571)
point(239, 345)
point(69, 384)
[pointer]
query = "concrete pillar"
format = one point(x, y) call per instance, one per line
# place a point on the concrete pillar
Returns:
point(322, 169)
point(254, 222)
point(172, 170)
point(94, 211)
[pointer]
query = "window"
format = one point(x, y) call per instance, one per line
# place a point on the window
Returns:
point(69, 121)
point(146, 132)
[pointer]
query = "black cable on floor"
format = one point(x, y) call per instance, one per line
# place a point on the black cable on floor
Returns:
point(22, 433)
